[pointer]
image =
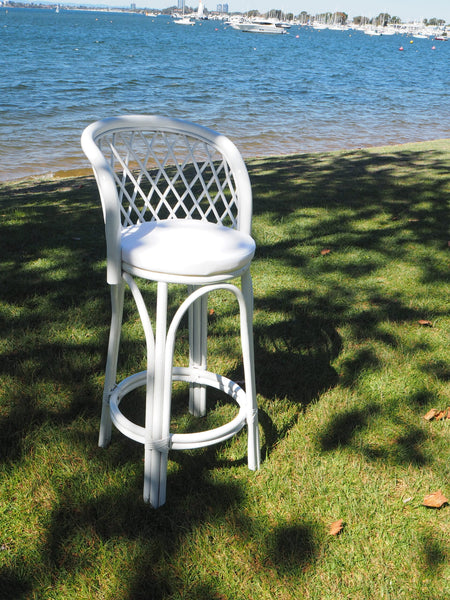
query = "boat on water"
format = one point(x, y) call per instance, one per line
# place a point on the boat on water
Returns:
point(373, 32)
point(184, 21)
point(259, 26)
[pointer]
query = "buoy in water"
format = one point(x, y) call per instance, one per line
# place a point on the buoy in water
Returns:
point(401, 48)
point(297, 36)
point(433, 47)
point(411, 41)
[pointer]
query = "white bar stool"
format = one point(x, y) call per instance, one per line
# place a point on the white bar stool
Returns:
point(177, 206)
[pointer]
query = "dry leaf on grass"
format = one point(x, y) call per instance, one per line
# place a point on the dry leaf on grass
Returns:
point(425, 323)
point(431, 414)
point(435, 500)
point(325, 251)
point(336, 527)
point(437, 415)
point(442, 414)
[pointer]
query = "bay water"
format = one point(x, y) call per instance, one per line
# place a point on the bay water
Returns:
point(309, 90)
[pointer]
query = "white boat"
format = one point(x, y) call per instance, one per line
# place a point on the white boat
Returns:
point(259, 27)
point(184, 21)
point(372, 32)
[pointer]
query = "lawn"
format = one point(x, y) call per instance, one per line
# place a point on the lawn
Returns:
point(352, 350)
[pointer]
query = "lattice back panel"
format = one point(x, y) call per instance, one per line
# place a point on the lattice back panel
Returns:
point(161, 175)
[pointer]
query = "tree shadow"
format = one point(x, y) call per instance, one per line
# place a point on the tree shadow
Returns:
point(381, 206)
point(352, 187)
point(342, 428)
point(157, 534)
point(14, 584)
point(434, 553)
point(52, 253)
point(293, 356)
point(293, 547)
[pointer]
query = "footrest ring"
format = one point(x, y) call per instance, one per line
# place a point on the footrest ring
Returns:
point(181, 441)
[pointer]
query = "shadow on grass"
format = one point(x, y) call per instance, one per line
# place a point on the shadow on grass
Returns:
point(14, 585)
point(342, 428)
point(434, 553)
point(293, 547)
point(156, 535)
point(380, 205)
point(334, 226)
point(55, 318)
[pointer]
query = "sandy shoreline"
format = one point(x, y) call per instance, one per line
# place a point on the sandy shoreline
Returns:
point(443, 143)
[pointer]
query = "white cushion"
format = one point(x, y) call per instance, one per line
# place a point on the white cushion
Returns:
point(186, 247)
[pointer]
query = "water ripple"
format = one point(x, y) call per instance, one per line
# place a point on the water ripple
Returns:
point(271, 94)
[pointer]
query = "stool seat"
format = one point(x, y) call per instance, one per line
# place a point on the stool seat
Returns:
point(190, 248)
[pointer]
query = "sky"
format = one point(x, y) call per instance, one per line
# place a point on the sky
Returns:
point(407, 10)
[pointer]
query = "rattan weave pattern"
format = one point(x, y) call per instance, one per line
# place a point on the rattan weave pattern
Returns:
point(160, 175)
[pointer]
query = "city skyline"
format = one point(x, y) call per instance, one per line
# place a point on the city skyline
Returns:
point(411, 10)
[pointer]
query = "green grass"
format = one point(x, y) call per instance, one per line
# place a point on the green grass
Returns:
point(345, 373)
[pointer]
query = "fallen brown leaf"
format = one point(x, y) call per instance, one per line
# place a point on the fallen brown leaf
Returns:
point(431, 414)
point(325, 251)
point(442, 414)
point(435, 500)
point(437, 415)
point(336, 527)
point(425, 323)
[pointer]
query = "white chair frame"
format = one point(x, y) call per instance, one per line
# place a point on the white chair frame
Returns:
point(130, 153)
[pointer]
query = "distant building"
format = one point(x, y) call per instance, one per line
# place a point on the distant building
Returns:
point(225, 8)
point(133, 6)
point(180, 4)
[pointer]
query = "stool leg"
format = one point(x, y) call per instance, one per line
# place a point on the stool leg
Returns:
point(249, 373)
point(156, 449)
point(198, 339)
point(117, 295)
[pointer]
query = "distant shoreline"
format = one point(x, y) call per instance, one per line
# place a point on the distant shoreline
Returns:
point(165, 11)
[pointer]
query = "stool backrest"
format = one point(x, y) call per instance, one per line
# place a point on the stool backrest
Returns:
point(151, 168)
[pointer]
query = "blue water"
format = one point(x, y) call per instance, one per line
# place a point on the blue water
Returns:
point(306, 91)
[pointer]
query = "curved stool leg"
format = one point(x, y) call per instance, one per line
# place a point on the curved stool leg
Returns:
point(198, 339)
point(254, 453)
point(117, 296)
